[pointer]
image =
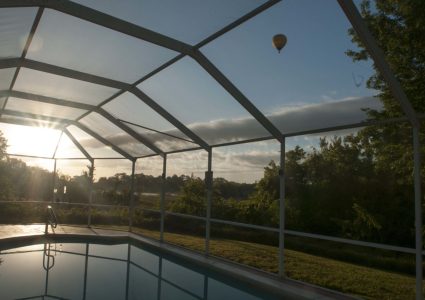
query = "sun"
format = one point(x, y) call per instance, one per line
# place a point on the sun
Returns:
point(32, 141)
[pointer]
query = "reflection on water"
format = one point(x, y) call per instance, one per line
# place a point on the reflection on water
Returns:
point(123, 271)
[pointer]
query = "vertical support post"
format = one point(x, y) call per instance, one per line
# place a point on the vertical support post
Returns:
point(162, 200)
point(91, 175)
point(159, 285)
point(205, 287)
point(86, 262)
point(209, 186)
point(54, 181)
point(131, 208)
point(418, 210)
point(282, 210)
point(127, 278)
point(47, 267)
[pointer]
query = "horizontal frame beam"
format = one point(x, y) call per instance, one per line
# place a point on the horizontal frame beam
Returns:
point(293, 232)
point(31, 123)
point(61, 71)
point(70, 73)
point(35, 117)
point(300, 133)
point(46, 99)
point(105, 20)
point(353, 242)
point(323, 130)
point(29, 156)
point(7, 63)
point(265, 228)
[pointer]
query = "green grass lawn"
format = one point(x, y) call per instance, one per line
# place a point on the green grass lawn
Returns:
point(365, 282)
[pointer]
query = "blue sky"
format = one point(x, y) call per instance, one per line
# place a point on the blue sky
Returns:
point(310, 84)
point(310, 69)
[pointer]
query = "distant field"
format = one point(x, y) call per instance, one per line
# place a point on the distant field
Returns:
point(152, 200)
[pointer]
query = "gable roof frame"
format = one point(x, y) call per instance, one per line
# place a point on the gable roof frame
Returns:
point(128, 28)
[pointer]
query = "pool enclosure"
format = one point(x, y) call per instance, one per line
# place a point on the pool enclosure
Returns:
point(143, 81)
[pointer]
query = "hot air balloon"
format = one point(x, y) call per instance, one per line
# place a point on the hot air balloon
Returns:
point(279, 41)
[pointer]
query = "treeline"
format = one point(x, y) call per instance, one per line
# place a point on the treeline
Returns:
point(345, 187)
point(153, 184)
point(20, 182)
point(359, 186)
point(115, 190)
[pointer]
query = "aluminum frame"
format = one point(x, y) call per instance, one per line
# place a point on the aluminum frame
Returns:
point(94, 16)
point(184, 49)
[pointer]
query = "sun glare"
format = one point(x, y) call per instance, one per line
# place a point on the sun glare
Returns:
point(34, 141)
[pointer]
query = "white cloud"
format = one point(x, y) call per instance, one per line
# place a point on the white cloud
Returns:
point(248, 164)
point(287, 119)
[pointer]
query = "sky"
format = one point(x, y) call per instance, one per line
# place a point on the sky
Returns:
point(310, 84)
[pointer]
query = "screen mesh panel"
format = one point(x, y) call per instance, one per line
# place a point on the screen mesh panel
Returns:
point(94, 147)
point(194, 98)
point(140, 117)
point(167, 140)
point(188, 20)
point(80, 45)
point(312, 83)
point(115, 135)
point(15, 26)
point(6, 76)
point(67, 149)
point(55, 86)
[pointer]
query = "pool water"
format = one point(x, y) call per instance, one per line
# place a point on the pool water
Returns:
point(120, 271)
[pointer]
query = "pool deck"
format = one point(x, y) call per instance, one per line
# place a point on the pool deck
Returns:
point(292, 289)
point(9, 231)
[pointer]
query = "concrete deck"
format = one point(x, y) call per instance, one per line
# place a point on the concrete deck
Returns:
point(289, 289)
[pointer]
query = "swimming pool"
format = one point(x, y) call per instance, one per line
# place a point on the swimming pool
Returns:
point(71, 270)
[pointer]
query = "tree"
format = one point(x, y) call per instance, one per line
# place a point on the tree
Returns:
point(3, 146)
point(398, 27)
point(5, 184)
point(192, 199)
